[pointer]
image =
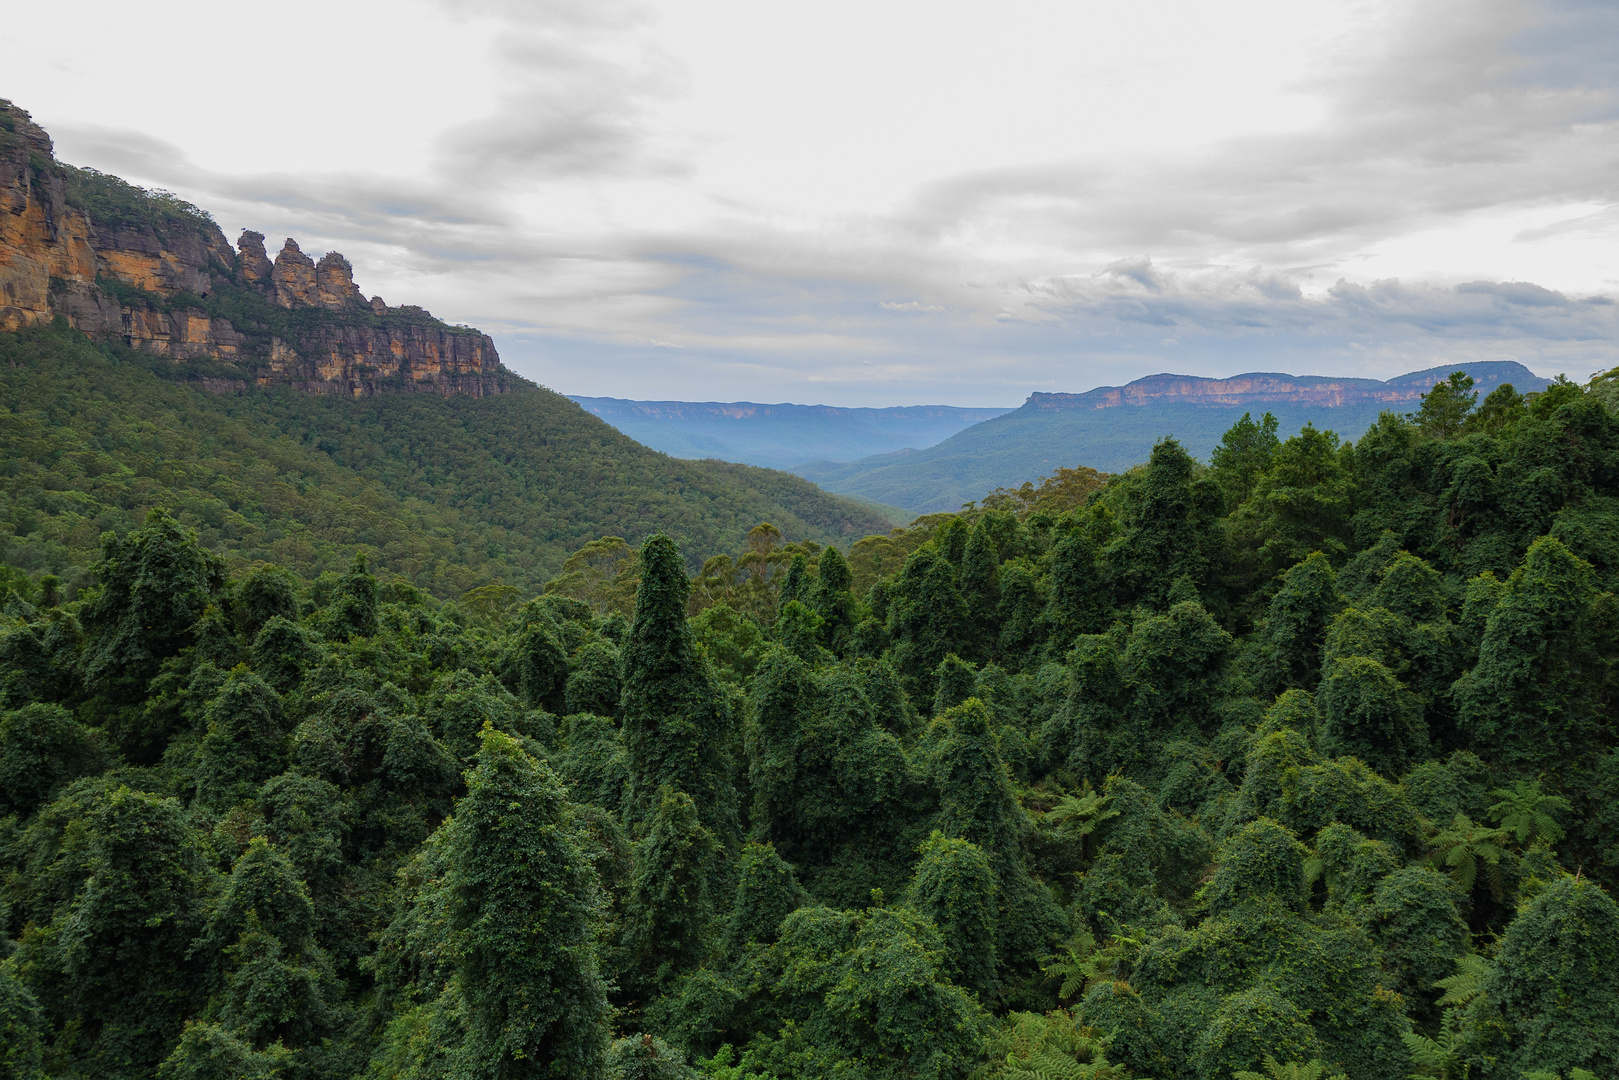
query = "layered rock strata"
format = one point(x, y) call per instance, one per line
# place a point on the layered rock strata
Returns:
point(1265, 388)
point(157, 274)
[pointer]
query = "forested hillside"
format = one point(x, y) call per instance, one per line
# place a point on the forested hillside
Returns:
point(449, 493)
point(1300, 764)
point(1114, 427)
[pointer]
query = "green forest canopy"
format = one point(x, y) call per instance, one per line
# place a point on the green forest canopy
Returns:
point(1298, 765)
point(449, 494)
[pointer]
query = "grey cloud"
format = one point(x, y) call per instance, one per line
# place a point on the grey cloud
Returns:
point(1444, 121)
point(1569, 44)
point(580, 84)
point(1468, 106)
point(1067, 334)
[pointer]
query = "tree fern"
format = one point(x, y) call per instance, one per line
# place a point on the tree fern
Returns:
point(1438, 1058)
point(1047, 1064)
point(1075, 967)
point(1048, 1047)
point(1526, 812)
point(1468, 982)
point(1465, 848)
point(1293, 1070)
point(1078, 816)
point(1082, 964)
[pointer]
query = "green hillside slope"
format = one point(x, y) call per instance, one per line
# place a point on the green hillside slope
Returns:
point(1033, 441)
point(449, 493)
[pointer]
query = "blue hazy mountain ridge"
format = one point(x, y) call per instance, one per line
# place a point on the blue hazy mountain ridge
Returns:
point(1112, 428)
point(780, 436)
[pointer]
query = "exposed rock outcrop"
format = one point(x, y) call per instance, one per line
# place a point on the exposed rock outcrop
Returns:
point(41, 238)
point(334, 283)
point(157, 274)
point(253, 265)
point(294, 277)
point(1260, 388)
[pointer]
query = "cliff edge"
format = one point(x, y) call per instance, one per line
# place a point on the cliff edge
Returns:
point(1261, 388)
point(157, 274)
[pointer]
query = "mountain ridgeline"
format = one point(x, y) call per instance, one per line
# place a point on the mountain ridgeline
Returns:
point(331, 422)
point(155, 273)
point(780, 436)
point(1300, 765)
point(1113, 427)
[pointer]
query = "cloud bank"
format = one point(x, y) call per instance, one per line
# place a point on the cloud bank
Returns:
point(696, 201)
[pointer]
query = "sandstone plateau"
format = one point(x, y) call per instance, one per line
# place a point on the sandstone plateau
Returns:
point(157, 275)
point(1270, 388)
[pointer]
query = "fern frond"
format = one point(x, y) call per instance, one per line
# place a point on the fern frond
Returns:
point(1468, 982)
point(1046, 1064)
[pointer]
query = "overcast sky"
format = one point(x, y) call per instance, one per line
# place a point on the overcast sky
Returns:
point(884, 202)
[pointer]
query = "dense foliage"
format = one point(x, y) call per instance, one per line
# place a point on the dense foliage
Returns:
point(1299, 765)
point(450, 494)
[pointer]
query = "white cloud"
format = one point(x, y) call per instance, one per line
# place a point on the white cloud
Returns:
point(884, 204)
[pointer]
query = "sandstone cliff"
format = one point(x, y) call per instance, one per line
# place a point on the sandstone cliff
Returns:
point(156, 274)
point(1261, 388)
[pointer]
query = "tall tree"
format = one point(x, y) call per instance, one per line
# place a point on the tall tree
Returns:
point(926, 617)
point(267, 593)
point(674, 728)
point(1170, 529)
point(124, 939)
point(669, 916)
point(980, 563)
point(522, 897)
point(1303, 503)
point(766, 893)
point(1243, 456)
point(1078, 602)
point(353, 608)
point(834, 601)
point(955, 888)
point(1445, 407)
point(1370, 715)
point(977, 803)
point(1288, 655)
point(20, 1021)
point(1539, 692)
point(246, 740)
point(277, 982)
point(155, 584)
point(1548, 1001)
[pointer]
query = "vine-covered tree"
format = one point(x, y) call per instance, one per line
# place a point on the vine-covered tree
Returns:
point(1301, 763)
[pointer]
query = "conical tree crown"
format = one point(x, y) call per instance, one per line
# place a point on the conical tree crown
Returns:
point(671, 902)
point(955, 889)
point(522, 894)
point(674, 728)
point(264, 885)
point(766, 893)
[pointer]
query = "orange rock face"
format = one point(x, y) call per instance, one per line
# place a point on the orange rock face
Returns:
point(253, 266)
point(1241, 390)
point(55, 260)
point(294, 277)
point(41, 237)
point(334, 283)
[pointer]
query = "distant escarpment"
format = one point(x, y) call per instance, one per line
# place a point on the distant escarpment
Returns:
point(1113, 428)
point(1267, 388)
point(155, 273)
